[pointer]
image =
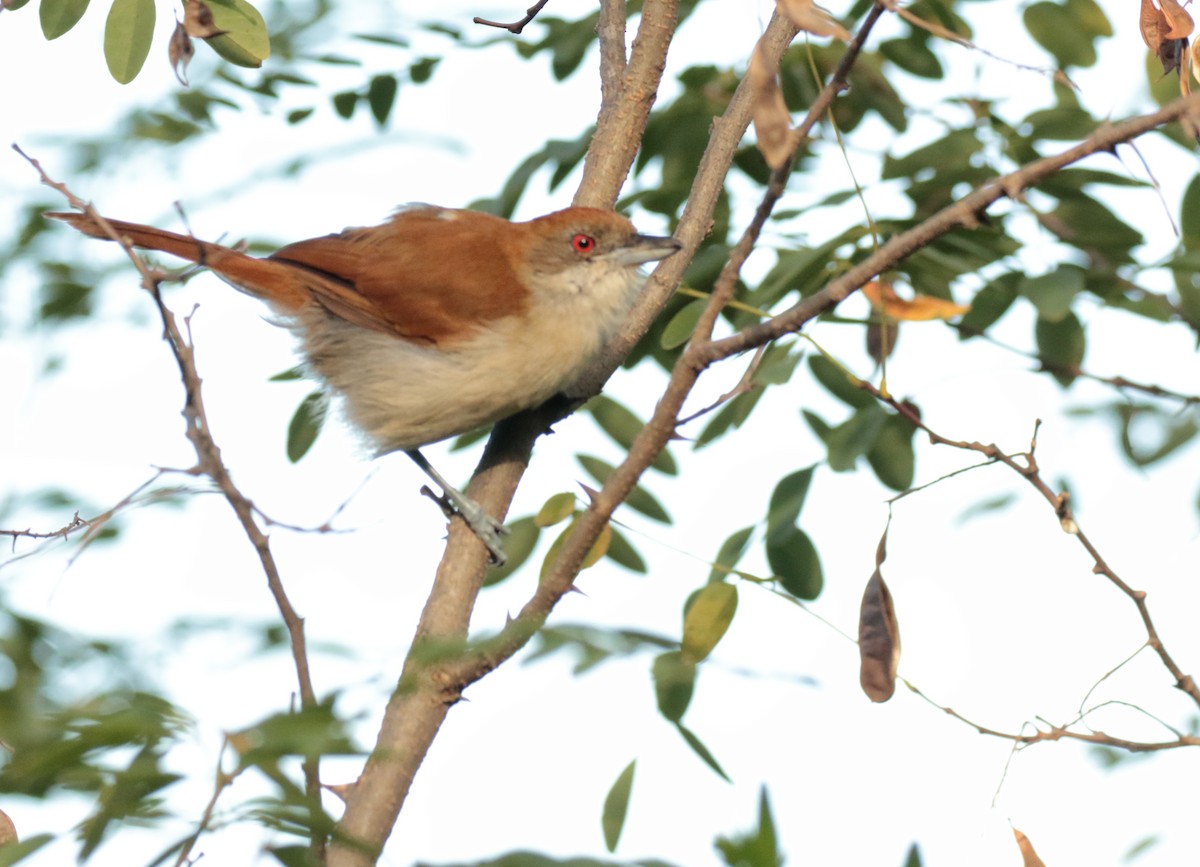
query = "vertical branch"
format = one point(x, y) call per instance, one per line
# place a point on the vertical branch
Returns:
point(629, 90)
point(426, 690)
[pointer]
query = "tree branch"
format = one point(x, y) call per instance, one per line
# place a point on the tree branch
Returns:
point(210, 464)
point(1025, 465)
point(516, 26)
point(426, 691)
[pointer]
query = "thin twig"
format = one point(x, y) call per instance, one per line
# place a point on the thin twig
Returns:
point(517, 26)
point(743, 386)
point(1058, 733)
point(1025, 464)
point(224, 780)
point(211, 464)
point(64, 531)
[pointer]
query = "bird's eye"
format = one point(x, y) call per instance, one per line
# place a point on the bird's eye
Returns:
point(582, 243)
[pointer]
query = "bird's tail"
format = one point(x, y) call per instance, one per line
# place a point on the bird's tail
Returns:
point(271, 281)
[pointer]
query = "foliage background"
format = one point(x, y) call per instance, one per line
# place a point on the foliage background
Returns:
point(1000, 616)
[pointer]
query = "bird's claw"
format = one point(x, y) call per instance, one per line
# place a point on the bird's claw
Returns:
point(487, 529)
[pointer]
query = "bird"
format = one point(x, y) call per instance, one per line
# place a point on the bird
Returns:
point(438, 321)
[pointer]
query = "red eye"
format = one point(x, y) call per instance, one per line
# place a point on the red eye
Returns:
point(582, 243)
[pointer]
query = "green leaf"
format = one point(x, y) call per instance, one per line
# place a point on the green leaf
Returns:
point(127, 36)
point(956, 151)
point(702, 751)
point(381, 96)
point(1053, 292)
point(616, 807)
point(913, 56)
point(568, 42)
point(731, 551)
point(1170, 432)
point(787, 500)
point(383, 39)
point(837, 382)
point(680, 326)
point(19, 850)
point(707, 619)
point(292, 374)
point(759, 848)
point(1096, 227)
point(623, 426)
point(422, 69)
point(622, 552)
point(854, 437)
point(1057, 30)
point(892, 457)
point(993, 504)
point(913, 859)
point(674, 682)
point(522, 538)
point(1061, 347)
point(1089, 17)
point(292, 856)
point(730, 417)
point(990, 303)
point(793, 558)
point(1189, 215)
point(594, 554)
point(59, 16)
point(345, 102)
point(64, 298)
point(245, 41)
point(310, 731)
point(306, 424)
point(557, 508)
point(819, 426)
point(639, 499)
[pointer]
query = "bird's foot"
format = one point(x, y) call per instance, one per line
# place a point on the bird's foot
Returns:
point(487, 529)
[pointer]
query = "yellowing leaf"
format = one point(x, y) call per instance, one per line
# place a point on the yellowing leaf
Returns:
point(920, 309)
point(707, 618)
point(242, 37)
point(807, 15)
point(772, 123)
point(558, 508)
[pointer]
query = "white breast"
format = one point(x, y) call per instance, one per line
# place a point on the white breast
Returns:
point(404, 395)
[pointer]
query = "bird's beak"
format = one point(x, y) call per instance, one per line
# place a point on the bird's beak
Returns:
point(646, 248)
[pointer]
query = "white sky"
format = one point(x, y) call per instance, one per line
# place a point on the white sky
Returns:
point(1001, 617)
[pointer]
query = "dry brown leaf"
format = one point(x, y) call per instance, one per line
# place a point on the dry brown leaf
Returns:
point(921, 308)
point(8, 831)
point(807, 15)
point(878, 634)
point(1165, 29)
point(180, 51)
point(1179, 22)
point(1151, 24)
point(198, 20)
point(772, 123)
point(1029, 858)
point(881, 339)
